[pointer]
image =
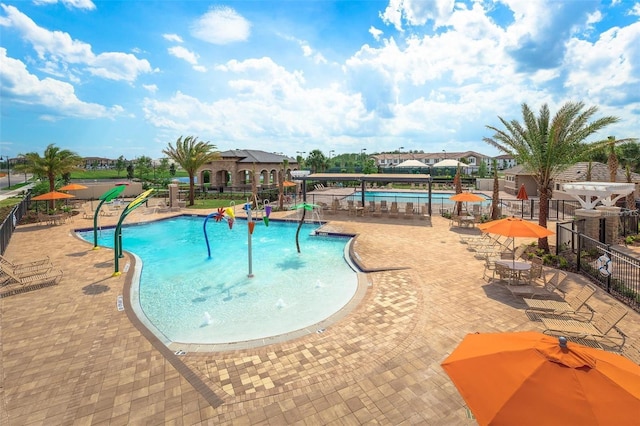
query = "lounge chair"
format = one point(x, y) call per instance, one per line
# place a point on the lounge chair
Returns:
point(408, 210)
point(595, 333)
point(632, 352)
point(484, 238)
point(28, 268)
point(424, 212)
point(571, 306)
point(393, 211)
point(551, 287)
point(87, 213)
point(51, 276)
point(384, 209)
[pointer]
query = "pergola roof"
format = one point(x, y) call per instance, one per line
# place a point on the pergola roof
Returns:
point(594, 192)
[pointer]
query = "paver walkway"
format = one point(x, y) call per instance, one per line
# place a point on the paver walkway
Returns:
point(69, 356)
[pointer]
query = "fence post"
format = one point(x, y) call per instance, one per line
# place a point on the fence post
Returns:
point(579, 251)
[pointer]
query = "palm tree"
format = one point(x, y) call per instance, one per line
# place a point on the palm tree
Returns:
point(54, 162)
point(545, 146)
point(317, 161)
point(495, 199)
point(191, 155)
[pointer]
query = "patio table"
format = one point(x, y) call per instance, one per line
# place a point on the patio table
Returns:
point(517, 267)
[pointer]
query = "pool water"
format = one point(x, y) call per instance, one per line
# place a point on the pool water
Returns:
point(190, 298)
point(415, 197)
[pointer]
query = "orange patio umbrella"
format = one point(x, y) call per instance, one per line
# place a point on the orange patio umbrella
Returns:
point(515, 227)
point(522, 193)
point(53, 195)
point(467, 197)
point(288, 183)
point(529, 378)
point(72, 187)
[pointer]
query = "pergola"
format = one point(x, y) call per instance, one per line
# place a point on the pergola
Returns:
point(364, 178)
point(593, 192)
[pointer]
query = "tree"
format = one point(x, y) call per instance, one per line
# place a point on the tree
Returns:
point(54, 162)
point(121, 164)
point(144, 166)
point(545, 146)
point(130, 170)
point(482, 170)
point(495, 199)
point(172, 169)
point(281, 177)
point(317, 161)
point(191, 155)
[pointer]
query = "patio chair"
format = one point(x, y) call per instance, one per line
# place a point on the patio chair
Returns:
point(51, 276)
point(484, 238)
point(87, 213)
point(393, 211)
point(573, 304)
point(377, 212)
point(28, 268)
point(424, 212)
point(551, 286)
point(490, 267)
point(595, 333)
point(408, 210)
point(633, 352)
point(383, 207)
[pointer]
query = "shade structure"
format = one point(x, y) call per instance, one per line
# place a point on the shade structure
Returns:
point(522, 193)
point(467, 197)
point(53, 195)
point(72, 187)
point(411, 163)
point(515, 227)
point(529, 378)
point(288, 183)
point(450, 163)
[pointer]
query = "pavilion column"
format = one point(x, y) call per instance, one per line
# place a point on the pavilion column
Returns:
point(612, 220)
point(592, 222)
point(173, 195)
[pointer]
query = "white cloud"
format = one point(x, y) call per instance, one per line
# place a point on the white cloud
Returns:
point(18, 85)
point(417, 12)
point(183, 53)
point(172, 37)
point(635, 10)
point(150, 87)
point(59, 47)
point(376, 33)
point(221, 25)
point(78, 4)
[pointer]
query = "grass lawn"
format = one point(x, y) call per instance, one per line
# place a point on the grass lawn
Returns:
point(215, 203)
point(113, 174)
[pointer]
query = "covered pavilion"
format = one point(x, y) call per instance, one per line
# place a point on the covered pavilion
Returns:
point(363, 179)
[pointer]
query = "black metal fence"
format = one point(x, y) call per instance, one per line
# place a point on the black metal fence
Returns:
point(614, 271)
point(9, 223)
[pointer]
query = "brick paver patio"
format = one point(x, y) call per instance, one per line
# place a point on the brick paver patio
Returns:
point(69, 356)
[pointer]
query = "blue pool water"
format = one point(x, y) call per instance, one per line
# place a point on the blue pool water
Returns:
point(415, 197)
point(190, 298)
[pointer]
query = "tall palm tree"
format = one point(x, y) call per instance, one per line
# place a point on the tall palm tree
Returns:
point(191, 154)
point(53, 163)
point(317, 161)
point(495, 199)
point(545, 145)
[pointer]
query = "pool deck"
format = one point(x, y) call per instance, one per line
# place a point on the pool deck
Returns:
point(70, 357)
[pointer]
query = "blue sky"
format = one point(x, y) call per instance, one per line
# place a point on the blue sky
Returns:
point(111, 78)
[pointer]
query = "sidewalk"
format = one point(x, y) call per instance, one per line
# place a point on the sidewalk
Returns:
point(4, 194)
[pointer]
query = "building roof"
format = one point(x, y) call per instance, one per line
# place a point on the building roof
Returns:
point(255, 156)
point(375, 177)
point(599, 173)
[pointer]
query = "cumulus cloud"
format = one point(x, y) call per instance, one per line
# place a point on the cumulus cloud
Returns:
point(57, 47)
point(221, 25)
point(172, 37)
point(417, 12)
point(152, 88)
point(77, 4)
point(18, 85)
point(376, 33)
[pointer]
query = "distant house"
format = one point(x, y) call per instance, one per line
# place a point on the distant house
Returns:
point(238, 166)
point(97, 163)
point(471, 158)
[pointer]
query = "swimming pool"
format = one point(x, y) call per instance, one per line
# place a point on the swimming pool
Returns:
point(190, 298)
point(415, 197)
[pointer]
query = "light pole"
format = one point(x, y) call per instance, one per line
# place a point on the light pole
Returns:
point(444, 153)
point(362, 156)
point(400, 154)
